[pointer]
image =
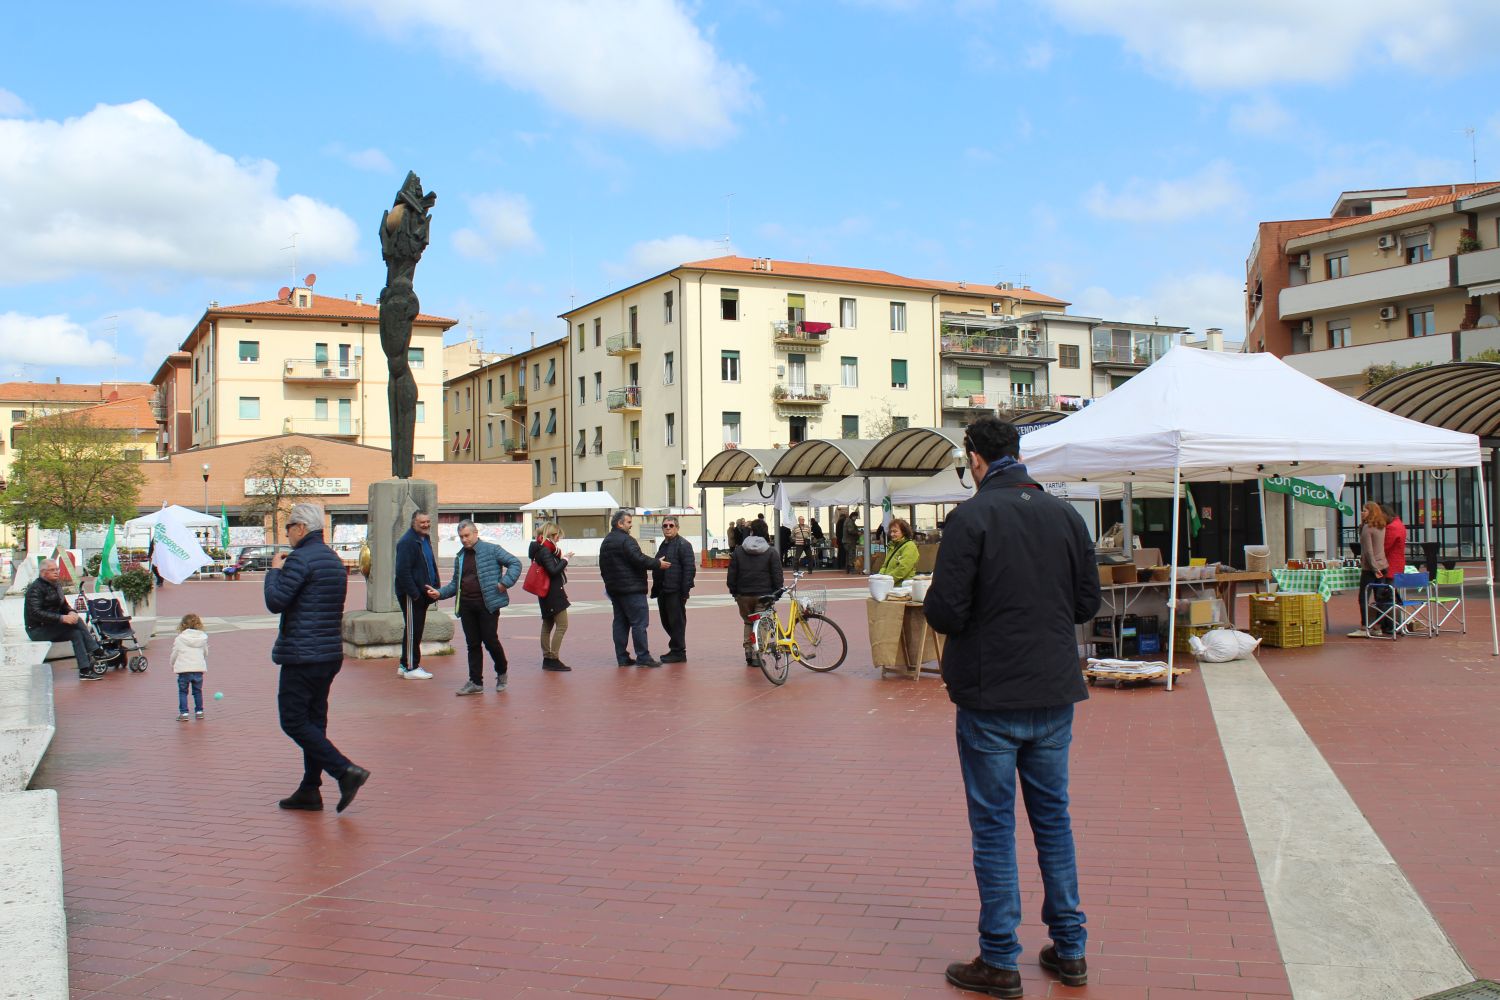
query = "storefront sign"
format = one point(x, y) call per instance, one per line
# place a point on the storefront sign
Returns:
point(1303, 491)
point(310, 485)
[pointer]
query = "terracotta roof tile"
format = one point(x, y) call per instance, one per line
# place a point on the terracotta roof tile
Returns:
point(130, 413)
point(1448, 198)
point(66, 392)
point(323, 307)
point(861, 276)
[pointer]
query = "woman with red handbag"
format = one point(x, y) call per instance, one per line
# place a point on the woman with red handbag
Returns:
point(550, 569)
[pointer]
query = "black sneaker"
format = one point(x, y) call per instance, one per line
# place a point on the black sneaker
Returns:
point(557, 665)
point(627, 662)
point(303, 798)
point(1072, 971)
point(674, 658)
point(349, 785)
point(91, 677)
point(647, 661)
point(982, 977)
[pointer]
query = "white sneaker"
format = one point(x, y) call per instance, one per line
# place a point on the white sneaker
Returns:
point(418, 673)
point(1359, 633)
point(400, 670)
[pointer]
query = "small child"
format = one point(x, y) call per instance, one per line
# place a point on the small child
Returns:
point(189, 660)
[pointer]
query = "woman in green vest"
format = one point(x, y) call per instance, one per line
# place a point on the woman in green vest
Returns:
point(900, 553)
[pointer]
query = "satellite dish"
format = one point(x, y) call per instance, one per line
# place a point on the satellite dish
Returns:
point(310, 280)
point(284, 294)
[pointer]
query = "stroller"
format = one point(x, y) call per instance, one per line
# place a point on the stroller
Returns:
point(111, 627)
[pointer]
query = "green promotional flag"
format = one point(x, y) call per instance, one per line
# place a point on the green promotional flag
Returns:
point(1195, 523)
point(1303, 491)
point(223, 528)
point(109, 559)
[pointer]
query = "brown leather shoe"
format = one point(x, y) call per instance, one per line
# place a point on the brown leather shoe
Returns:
point(1072, 971)
point(981, 977)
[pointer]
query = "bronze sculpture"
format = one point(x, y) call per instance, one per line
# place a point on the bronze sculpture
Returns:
point(403, 237)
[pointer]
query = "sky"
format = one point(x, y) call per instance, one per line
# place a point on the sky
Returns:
point(1118, 156)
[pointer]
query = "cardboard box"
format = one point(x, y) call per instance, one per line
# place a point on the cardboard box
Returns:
point(1106, 575)
point(1146, 557)
point(1200, 612)
point(1125, 573)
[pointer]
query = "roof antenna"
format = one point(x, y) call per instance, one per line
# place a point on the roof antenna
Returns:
point(725, 238)
point(1473, 151)
point(293, 249)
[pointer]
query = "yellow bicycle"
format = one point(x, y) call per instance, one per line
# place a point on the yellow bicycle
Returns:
point(806, 635)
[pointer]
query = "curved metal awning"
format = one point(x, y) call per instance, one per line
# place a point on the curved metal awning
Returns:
point(1037, 418)
point(735, 467)
point(821, 461)
point(1460, 396)
point(915, 451)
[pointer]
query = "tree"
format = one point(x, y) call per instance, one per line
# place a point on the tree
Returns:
point(71, 473)
point(279, 478)
point(883, 421)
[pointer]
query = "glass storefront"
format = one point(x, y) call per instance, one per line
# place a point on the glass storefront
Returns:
point(1437, 505)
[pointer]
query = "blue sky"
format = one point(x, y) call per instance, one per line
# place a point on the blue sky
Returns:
point(1120, 159)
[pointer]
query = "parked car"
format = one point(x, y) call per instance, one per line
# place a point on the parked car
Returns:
point(255, 558)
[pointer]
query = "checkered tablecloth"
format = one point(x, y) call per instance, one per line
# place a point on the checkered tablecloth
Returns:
point(1317, 581)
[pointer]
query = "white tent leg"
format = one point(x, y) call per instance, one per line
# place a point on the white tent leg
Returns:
point(869, 528)
point(1489, 557)
point(1172, 588)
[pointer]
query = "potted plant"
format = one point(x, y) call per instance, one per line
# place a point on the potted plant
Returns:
point(778, 392)
point(1468, 242)
point(137, 588)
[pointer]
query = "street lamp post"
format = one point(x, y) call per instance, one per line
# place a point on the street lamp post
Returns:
point(205, 488)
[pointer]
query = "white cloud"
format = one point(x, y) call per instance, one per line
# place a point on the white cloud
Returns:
point(651, 257)
point(502, 221)
point(155, 334)
point(1283, 41)
point(51, 341)
point(1196, 300)
point(644, 66)
point(1262, 116)
point(1209, 190)
point(1038, 56)
point(11, 105)
point(159, 200)
point(371, 159)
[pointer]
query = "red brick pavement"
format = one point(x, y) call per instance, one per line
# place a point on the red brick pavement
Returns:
point(683, 832)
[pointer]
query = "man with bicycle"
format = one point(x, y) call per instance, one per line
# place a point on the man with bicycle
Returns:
point(1015, 574)
point(754, 572)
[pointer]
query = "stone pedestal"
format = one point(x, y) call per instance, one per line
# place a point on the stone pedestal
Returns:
point(375, 633)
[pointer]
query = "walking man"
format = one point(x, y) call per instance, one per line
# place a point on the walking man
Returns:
point(623, 567)
point(483, 574)
point(850, 538)
point(802, 545)
point(416, 589)
point(671, 587)
point(306, 587)
point(50, 619)
point(1014, 575)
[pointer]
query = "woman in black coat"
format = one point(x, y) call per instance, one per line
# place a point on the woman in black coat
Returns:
point(555, 605)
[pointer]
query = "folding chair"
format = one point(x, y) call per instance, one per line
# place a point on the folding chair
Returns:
point(1382, 610)
point(1412, 612)
point(1444, 605)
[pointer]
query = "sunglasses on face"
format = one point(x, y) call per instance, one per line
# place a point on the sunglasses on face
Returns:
point(669, 524)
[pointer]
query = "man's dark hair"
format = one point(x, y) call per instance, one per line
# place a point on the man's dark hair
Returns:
point(992, 439)
point(1389, 510)
point(416, 514)
point(619, 515)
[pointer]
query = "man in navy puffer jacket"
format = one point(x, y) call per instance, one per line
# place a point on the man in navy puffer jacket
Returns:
point(307, 587)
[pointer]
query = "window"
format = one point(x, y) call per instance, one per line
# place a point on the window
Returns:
point(796, 308)
point(320, 354)
point(249, 407)
point(729, 366)
point(421, 412)
point(729, 303)
point(582, 390)
point(851, 427)
point(1337, 264)
point(580, 336)
point(668, 368)
point(1420, 322)
point(489, 390)
point(898, 317)
point(898, 373)
point(553, 462)
point(536, 474)
point(635, 323)
point(551, 378)
point(599, 485)
point(195, 371)
point(536, 375)
point(489, 435)
point(900, 423)
point(970, 381)
point(666, 307)
point(1022, 384)
point(1340, 333)
point(1418, 247)
point(849, 373)
point(536, 424)
point(249, 351)
point(582, 447)
point(552, 420)
point(671, 491)
point(502, 385)
point(598, 386)
point(598, 441)
point(468, 397)
point(1067, 356)
point(416, 356)
point(598, 332)
point(17, 415)
point(846, 313)
point(796, 430)
point(731, 427)
point(671, 429)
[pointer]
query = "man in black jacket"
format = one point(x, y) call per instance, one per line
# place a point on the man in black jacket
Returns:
point(754, 572)
point(623, 567)
point(671, 587)
point(416, 584)
point(1015, 574)
point(49, 619)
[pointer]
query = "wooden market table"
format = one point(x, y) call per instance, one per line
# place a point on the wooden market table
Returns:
point(901, 641)
point(1227, 585)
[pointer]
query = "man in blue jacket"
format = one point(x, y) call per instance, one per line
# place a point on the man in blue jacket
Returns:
point(483, 574)
point(416, 588)
point(306, 587)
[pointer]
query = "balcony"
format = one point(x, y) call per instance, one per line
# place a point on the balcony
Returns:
point(311, 371)
point(347, 429)
point(626, 399)
point(622, 344)
point(800, 394)
point(968, 345)
point(1115, 356)
point(976, 402)
point(806, 336)
point(515, 400)
point(515, 445)
point(1386, 285)
point(1479, 272)
point(1029, 401)
point(1348, 363)
point(628, 458)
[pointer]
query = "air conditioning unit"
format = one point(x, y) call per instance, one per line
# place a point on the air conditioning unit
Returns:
point(1390, 312)
point(1307, 328)
point(1387, 241)
point(1304, 260)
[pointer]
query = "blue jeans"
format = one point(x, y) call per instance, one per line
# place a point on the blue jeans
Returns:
point(632, 615)
point(993, 747)
point(184, 681)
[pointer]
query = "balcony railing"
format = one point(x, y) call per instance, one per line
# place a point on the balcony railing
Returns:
point(627, 458)
point(623, 343)
point(515, 399)
point(955, 400)
point(798, 335)
point(515, 445)
point(996, 347)
point(800, 393)
point(624, 398)
point(1028, 401)
point(1132, 357)
point(313, 370)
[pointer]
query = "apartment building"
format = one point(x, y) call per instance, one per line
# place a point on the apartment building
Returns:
point(24, 401)
point(298, 364)
point(514, 409)
point(1396, 276)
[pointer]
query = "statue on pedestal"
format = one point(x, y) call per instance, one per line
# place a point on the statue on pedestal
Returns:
point(403, 237)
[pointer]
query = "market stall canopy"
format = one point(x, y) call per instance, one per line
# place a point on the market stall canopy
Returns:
point(915, 451)
point(847, 491)
point(175, 514)
point(1222, 417)
point(736, 467)
point(1463, 396)
point(821, 461)
point(585, 501)
point(797, 493)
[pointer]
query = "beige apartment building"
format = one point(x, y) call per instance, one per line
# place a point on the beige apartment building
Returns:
point(24, 401)
point(514, 409)
point(302, 364)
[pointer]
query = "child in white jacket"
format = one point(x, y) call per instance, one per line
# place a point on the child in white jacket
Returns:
point(189, 660)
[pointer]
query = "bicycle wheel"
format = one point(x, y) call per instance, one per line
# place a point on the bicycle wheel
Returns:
point(775, 661)
point(821, 644)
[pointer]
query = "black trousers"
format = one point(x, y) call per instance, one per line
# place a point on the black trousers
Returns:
point(800, 552)
point(672, 608)
point(482, 632)
point(414, 620)
point(302, 701)
point(79, 635)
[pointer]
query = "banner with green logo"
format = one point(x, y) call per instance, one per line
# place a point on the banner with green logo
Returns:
point(1303, 491)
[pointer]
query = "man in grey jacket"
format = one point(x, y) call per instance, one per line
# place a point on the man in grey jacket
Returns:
point(483, 574)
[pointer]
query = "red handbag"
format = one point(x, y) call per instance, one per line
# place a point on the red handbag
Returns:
point(538, 581)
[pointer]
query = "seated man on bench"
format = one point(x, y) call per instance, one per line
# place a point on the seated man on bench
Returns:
point(50, 619)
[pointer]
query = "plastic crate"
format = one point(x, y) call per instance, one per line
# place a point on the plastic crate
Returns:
point(1180, 637)
point(1283, 635)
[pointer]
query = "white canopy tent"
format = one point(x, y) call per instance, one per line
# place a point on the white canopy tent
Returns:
point(578, 501)
point(174, 513)
point(751, 496)
point(1207, 416)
